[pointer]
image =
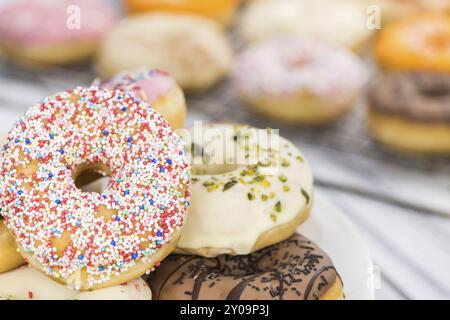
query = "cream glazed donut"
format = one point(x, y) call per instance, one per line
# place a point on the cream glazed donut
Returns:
point(250, 189)
point(53, 31)
point(155, 87)
point(299, 80)
point(342, 22)
point(93, 240)
point(27, 283)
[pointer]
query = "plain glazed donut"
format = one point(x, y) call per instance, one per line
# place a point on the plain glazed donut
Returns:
point(83, 239)
point(49, 31)
point(220, 10)
point(299, 80)
point(318, 19)
point(411, 112)
point(295, 269)
point(250, 189)
point(418, 43)
point(27, 283)
point(194, 50)
point(155, 87)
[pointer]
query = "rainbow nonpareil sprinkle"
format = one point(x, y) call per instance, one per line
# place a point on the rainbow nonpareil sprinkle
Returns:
point(147, 196)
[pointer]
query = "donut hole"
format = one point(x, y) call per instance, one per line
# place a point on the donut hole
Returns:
point(92, 177)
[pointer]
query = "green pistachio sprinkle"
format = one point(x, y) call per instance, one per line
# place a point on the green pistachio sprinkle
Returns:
point(278, 206)
point(212, 188)
point(282, 179)
point(264, 164)
point(273, 217)
point(229, 184)
point(285, 163)
point(286, 188)
point(264, 197)
point(306, 196)
point(250, 196)
point(259, 178)
point(300, 159)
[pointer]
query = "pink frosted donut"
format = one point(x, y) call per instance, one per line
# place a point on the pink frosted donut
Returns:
point(53, 31)
point(155, 87)
point(299, 80)
point(84, 239)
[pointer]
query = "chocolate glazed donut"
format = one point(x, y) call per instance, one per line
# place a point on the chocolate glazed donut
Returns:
point(410, 112)
point(294, 269)
point(419, 96)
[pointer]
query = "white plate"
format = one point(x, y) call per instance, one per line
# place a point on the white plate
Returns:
point(330, 229)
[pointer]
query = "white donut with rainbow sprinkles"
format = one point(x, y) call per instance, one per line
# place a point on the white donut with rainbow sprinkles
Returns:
point(92, 240)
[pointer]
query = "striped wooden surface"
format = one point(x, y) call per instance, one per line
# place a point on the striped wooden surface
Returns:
point(400, 204)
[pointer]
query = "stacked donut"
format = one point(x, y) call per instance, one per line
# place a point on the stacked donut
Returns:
point(250, 189)
point(409, 106)
point(92, 245)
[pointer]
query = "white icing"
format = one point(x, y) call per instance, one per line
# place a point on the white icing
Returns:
point(27, 283)
point(229, 219)
point(341, 22)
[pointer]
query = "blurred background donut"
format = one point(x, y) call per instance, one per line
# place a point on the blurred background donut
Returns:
point(418, 43)
point(220, 10)
point(54, 32)
point(299, 80)
point(411, 112)
point(157, 88)
point(194, 50)
point(319, 19)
